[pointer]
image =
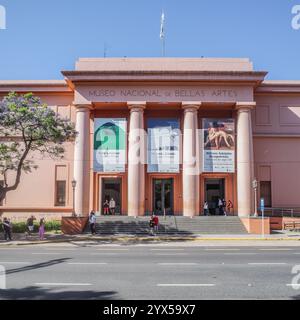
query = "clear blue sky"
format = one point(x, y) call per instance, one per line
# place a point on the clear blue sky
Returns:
point(44, 37)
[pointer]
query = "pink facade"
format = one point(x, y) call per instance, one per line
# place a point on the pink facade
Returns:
point(266, 115)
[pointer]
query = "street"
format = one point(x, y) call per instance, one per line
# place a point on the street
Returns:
point(185, 270)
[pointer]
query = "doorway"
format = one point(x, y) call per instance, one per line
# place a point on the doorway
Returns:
point(163, 196)
point(112, 189)
point(214, 190)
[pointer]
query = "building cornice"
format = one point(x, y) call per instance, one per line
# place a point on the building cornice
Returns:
point(51, 86)
point(250, 77)
point(279, 87)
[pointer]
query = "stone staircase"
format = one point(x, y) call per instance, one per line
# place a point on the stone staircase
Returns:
point(112, 225)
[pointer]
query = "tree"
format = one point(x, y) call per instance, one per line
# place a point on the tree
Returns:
point(28, 126)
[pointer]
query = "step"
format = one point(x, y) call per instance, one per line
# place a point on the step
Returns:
point(178, 225)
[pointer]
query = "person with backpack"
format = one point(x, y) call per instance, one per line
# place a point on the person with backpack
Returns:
point(30, 224)
point(152, 225)
point(7, 227)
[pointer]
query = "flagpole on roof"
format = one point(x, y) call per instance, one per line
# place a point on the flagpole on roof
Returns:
point(162, 34)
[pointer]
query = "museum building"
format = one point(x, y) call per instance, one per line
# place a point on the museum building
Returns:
point(165, 135)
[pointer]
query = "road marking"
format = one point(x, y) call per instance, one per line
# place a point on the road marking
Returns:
point(239, 253)
point(294, 286)
point(177, 264)
point(283, 249)
point(87, 263)
point(186, 285)
point(45, 253)
point(103, 253)
point(14, 262)
point(170, 254)
point(167, 249)
point(112, 249)
point(56, 249)
point(267, 263)
point(222, 249)
point(48, 284)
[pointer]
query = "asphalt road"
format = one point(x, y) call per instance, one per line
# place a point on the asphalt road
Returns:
point(150, 272)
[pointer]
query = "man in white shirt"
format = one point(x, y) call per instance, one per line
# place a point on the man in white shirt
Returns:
point(112, 206)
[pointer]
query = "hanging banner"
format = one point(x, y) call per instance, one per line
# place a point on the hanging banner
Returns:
point(219, 145)
point(163, 145)
point(110, 145)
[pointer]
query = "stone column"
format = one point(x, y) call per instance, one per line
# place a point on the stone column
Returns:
point(82, 163)
point(191, 154)
point(136, 160)
point(245, 159)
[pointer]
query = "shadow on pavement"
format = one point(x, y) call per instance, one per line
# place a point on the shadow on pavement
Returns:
point(37, 266)
point(37, 293)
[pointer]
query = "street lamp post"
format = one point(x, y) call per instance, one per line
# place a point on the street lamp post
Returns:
point(74, 182)
point(255, 185)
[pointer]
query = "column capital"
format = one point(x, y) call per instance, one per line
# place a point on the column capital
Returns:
point(243, 106)
point(136, 105)
point(191, 105)
point(82, 107)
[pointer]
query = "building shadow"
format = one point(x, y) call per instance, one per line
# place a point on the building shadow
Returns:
point(39, 265)
point(38, 293)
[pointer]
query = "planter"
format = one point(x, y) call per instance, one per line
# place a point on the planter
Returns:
point(254, 225)
point(73, 225)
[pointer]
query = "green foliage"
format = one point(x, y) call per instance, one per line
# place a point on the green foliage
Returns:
point(29, 126)
point(21, 227)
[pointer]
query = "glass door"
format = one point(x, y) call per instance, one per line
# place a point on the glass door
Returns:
point(163, 194)
point(111, 196)
point(214, 191)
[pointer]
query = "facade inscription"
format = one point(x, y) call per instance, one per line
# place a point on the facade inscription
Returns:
point(161, 93)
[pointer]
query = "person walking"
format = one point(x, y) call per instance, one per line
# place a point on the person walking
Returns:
point(92, 221)
point(151, 225)
point(224, 207)
point(7, 227)
point(156, 223)
point(229, 206)
point(106, 207)
point(112, 206)
point(30, 224)
point(206, 208)
point(42, 229)
point(220, 206)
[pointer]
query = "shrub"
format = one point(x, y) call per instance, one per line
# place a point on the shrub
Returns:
point(21, 227)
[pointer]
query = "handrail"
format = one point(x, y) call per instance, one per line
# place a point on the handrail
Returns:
point(281, 212)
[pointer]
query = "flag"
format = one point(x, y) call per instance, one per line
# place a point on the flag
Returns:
point(162, 26)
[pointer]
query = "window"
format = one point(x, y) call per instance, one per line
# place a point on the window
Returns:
point(60, 199)
point(266, 193)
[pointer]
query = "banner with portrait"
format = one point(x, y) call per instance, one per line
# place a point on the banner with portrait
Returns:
point(110, 145)
point(219, 145)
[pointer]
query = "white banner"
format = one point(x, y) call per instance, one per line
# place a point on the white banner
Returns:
point(163, 146)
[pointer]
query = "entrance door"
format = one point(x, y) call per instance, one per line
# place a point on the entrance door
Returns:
point(214, 190)
point(163, 195)
point(111, 189)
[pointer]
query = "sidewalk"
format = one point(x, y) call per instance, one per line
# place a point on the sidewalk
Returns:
point(23, 239)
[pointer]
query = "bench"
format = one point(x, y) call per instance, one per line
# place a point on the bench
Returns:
point(292, 225)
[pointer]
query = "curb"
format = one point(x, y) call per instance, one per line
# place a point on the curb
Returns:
point(143, 239)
